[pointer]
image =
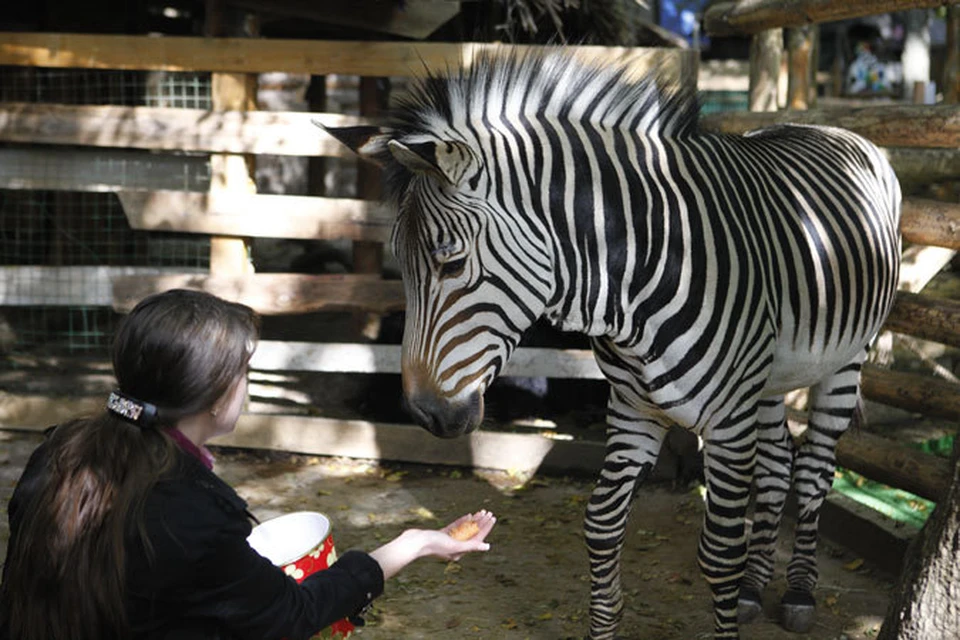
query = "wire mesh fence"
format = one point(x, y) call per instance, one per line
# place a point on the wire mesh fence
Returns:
point(63, 232)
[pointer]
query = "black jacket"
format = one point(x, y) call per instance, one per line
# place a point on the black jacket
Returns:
point(203, 580)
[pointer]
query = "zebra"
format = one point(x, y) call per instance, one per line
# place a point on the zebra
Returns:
point(712, 273)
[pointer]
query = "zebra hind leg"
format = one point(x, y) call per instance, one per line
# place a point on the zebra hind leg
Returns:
point(832, 405)
point(772, 483)
point(631, 455)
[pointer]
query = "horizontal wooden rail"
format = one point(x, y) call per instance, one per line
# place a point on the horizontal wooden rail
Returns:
point(936, 126)
point(931, 222)
point(923, 221)
point(75, 286)
point(914, 392)
point(314, 57)
point(924, 166)
point(45, 168)
point(160, 128)
point(274, 293)
point(895, 464)
point(737, 18)
point(258, 215)
point(385, 358)
point(927, 317)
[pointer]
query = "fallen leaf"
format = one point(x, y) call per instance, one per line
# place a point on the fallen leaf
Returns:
point(853, 565)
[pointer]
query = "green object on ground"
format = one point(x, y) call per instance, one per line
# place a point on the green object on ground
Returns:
point(900, 505)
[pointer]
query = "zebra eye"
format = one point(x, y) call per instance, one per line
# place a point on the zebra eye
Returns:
point(452, 268)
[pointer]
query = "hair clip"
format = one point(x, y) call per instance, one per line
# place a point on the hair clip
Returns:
point(130, 409)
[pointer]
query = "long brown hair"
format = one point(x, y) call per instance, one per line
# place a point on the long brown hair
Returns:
point(179, 350)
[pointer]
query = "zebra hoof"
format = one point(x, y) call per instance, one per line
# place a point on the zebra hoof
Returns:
point(797, 611)
point(749, 606)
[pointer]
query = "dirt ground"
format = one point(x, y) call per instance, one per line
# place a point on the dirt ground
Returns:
point(533, 583)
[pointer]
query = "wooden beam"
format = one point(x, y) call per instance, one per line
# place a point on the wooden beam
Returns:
point(314, 57)
point(740, 18)
point(951, 63)
point(258, 215)
point(924, 166)
point(414, 19)
point(385, 358)
point(914, 392)
point(273, 293)
point(895, 464)
point(100, 170)
point(801, 66)
point(936, 126)
point(931, 222)
point(409, 443)
point(766, 53)
point(74, 286)
point(926, 317)
point(161, 128)
point(492, 449)
point(927, 222)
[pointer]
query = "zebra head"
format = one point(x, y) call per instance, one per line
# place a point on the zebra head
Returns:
point(475, 275)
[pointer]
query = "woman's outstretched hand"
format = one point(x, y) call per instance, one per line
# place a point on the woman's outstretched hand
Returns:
point(420, 543)
point(452, 548)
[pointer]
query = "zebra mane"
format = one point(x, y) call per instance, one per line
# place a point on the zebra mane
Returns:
point(540, 84)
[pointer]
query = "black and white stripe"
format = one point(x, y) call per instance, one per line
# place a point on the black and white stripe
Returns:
point(712, 272)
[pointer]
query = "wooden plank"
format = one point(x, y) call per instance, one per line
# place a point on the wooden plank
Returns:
point(936, 126)
point(931, 222)
point(107, 169)
point(414, 19)
point(257, 215)
point(923, 394)
point(231, 174)
point(766, 51)
point(926, 317)
point(497, 450)
point(801, 66)
point(871, 535)
point(951, 63)
point(924, 166)
point(739, 18)
point(384, 358)
point(68, 286)
point(100, 170)
point(273, 293)
point(408, 443)
point(314, 57)
point(894, 464)
point(161, 128)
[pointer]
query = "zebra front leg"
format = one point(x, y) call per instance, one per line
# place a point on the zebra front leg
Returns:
point(729, 459)
point(772, 484)
point(632, 451)
point(832, 405)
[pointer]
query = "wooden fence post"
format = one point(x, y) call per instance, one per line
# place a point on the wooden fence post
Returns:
point(801, 67)
point(231, 172)
point(367, 255)
point(766, 51)
point(951, 67)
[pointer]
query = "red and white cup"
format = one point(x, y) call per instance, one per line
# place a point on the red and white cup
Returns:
point(301, 544)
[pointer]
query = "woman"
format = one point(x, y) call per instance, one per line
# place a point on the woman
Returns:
point(119, 527)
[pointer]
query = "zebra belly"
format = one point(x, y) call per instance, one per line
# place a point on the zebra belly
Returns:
point(798, 368)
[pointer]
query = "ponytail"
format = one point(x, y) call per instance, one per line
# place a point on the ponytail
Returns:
point(65, 572)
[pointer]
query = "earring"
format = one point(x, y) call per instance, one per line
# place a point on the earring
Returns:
point(214, 412)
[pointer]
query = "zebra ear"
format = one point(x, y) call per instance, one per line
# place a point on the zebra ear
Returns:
point(449, 160)
point(370, 143)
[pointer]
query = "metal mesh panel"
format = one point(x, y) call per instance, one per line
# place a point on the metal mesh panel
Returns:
point(63, 233)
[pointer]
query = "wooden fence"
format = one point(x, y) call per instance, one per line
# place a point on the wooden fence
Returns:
point(236, 212)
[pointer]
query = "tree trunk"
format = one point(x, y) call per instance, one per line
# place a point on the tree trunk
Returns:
point(925, 604)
